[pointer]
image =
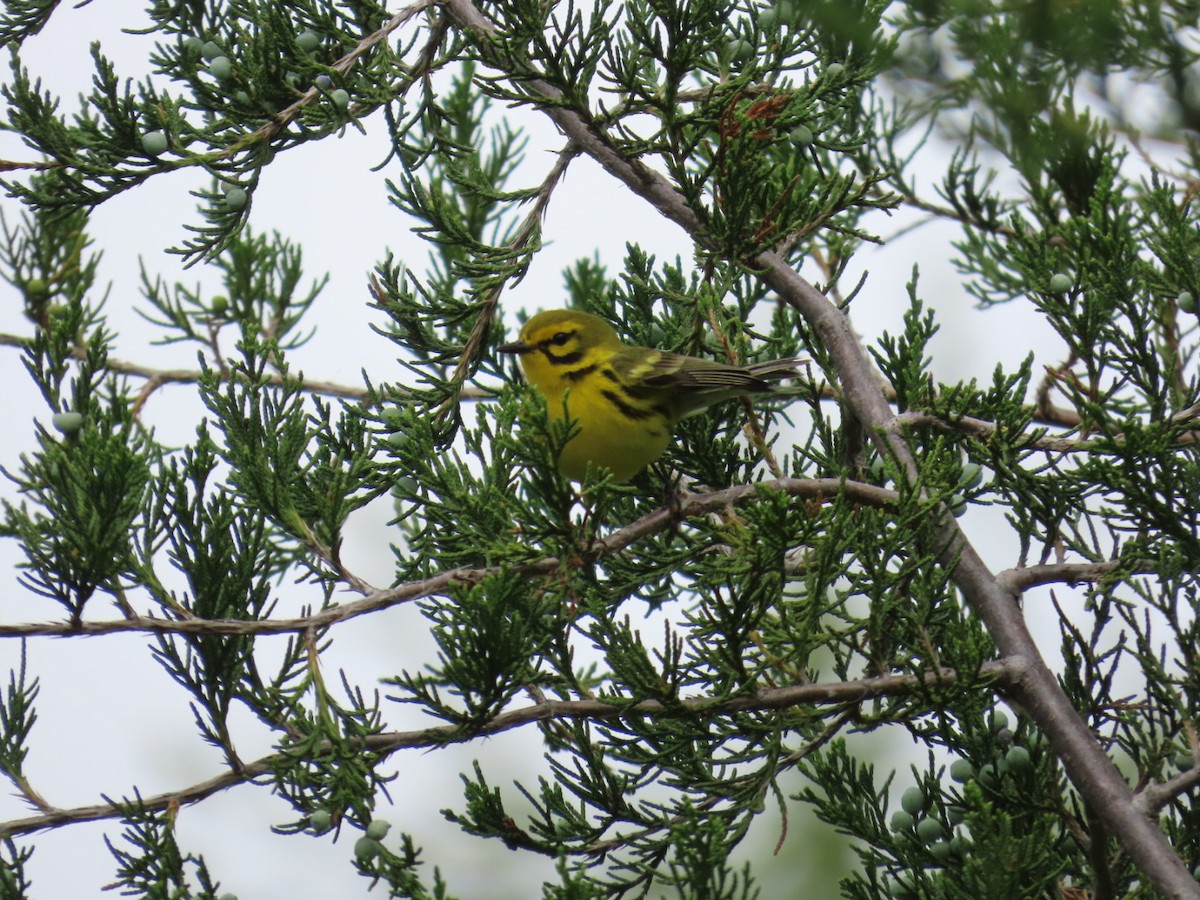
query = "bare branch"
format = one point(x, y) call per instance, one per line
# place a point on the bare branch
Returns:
point(984, 430)
point(1151, 800)
point(160, 377)
point(1022, 579)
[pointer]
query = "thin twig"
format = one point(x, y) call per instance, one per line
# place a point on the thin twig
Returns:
point(282, 119)
point(162, 377)
point(525, 232)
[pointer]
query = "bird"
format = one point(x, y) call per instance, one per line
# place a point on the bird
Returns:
point(625, 400)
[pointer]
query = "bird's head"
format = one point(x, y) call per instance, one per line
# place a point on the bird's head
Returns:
point(560, 339)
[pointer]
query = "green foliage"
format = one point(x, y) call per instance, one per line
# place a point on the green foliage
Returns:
point(650, 632)
point(85, 491)
point(17, 717)
point(150, 862)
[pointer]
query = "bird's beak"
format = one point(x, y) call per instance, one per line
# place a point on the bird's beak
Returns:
point(517, 347)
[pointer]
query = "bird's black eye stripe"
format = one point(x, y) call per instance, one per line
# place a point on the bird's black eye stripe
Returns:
point(561, 339)
point(568, 359)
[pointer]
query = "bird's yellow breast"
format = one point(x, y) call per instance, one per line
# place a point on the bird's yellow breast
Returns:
point(615, 431)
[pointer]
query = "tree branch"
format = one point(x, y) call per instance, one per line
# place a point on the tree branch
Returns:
point(1021, 579)
point(1151, 800)
point(192, 376)
point(980, 428)
point(1038, 692)
point(1000, 672)
point(375, 599)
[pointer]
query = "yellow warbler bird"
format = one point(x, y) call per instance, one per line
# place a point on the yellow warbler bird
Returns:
point(625, 400)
